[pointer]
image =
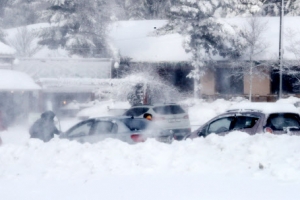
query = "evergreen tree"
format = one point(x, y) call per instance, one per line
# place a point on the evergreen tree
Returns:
point(78, 26)
point(205, 33)
point(142, 9)
point(273, 7)
point(19, 12)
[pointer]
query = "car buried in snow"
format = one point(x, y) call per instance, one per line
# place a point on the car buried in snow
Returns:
point(127, 129)
point(171, 118)
point(253, 118)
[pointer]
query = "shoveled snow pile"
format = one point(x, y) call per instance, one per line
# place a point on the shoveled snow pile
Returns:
point(237, 166)
point(259, 156)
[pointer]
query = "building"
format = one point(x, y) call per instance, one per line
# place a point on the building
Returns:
point(66, 80)
point(136, 41)
point(18, 91)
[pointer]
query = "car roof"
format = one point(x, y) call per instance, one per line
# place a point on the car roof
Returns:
point(264, 107)
point(156, 104)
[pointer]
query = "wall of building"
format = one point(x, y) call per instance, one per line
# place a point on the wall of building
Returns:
point(208, 83)
point(261, 84)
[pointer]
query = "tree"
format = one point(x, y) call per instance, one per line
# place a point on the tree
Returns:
point(254, 45)
point(207, 35)
point(78, 26)
point(273, 7)
point(19, 12)
point(141, 9)
point(25, 42)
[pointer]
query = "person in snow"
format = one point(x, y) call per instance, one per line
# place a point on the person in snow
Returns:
point(44, 128)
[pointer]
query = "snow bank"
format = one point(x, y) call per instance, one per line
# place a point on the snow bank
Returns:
point(259, 156)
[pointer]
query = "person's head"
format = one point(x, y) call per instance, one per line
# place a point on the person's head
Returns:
point(48, 115)
point(148, 116)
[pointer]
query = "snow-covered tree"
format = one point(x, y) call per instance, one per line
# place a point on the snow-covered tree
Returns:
point(273, 7)
point(78, 26)
point(253, 46)
point(141, 9)
point(19, 12)
point(24, 42)
point(206, 34)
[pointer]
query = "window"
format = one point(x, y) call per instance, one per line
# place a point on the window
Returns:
point(136, 111)
point(229, 81)
point(242, 122)
point(102, 127)
point(281, 120)
point(82, 129)
point(220, 125)
point(168, 110)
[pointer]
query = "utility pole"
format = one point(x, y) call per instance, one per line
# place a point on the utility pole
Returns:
point(281, 48)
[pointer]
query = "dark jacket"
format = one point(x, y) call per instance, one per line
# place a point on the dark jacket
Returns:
point(44, 128)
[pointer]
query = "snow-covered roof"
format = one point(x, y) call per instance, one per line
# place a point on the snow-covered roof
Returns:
point(6, 50)
point(14, 80)
point(135, 39)
point(265, 107)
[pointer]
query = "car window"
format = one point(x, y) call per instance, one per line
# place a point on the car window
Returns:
point(136, 124)
point(281, 120)
point(136, 111)
point(102, 127)
point(220, 125)
point(81, 129)
point(242, 122)
point(168, 110)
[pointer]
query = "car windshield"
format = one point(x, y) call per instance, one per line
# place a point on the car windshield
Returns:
point(282, 120)
point(136, 111)
point(168, 110)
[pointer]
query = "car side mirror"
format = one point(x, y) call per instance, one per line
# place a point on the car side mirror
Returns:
point(201, 133)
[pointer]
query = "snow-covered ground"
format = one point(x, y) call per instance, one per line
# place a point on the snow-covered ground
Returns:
point(237, 166)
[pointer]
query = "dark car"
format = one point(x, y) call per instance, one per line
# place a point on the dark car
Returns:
point(253, 118)
point(127, 129)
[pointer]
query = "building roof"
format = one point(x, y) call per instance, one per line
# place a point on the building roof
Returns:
point(6, 50)
point(135, 39)
point(14, 80)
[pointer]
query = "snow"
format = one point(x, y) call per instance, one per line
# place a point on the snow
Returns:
point(15, 80)
point(6, 50)
point(237, 166)
point(266, 107)
point(137, 40)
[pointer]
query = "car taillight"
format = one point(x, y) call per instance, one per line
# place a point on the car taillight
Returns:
point(138, 138)
point(268, 130)
point(186, 117)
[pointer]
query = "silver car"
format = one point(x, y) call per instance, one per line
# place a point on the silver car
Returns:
point(127, 129)
point(252, 118)
point(169, 117)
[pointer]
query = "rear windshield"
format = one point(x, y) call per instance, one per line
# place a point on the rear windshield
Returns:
point(281, 120)
point(136, 124)
point(136, 111)
point(168, 110)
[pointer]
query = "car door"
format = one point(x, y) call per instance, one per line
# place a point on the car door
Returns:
point(102, 130)
point(220, 126)
point(246, 123)
point(81, 131)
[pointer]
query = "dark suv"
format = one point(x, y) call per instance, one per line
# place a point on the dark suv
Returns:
point(254, 118)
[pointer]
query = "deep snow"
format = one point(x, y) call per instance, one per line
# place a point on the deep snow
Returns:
point(237, 166)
